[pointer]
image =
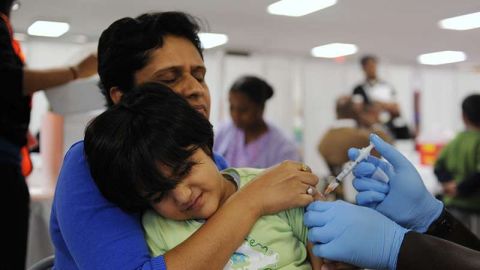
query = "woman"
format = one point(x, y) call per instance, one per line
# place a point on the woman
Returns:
point(250, 141)
point(90, 231)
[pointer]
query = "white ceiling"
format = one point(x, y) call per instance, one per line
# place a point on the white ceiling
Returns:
point(396, 31)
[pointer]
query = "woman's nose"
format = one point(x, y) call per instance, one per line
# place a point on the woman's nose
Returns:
point(192, 89)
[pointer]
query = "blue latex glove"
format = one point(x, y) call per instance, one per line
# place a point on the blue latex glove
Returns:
point(405, 198)
point(353, 234)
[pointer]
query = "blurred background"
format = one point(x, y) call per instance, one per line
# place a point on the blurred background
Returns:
point(279, 49)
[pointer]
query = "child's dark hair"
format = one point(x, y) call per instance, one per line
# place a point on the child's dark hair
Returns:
point(256, 89)
point(151, 127)
point(125, 46)
point(471, 109)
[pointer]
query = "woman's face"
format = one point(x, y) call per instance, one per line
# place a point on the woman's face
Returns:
point(244, 112)
point(198, 195)
point(179, 65)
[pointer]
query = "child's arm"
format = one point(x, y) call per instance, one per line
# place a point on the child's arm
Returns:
point(315, 261)
point(470, 185)
point(211, 246)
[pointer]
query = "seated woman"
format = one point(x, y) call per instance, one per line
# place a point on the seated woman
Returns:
point(160, 160)
point(89, 231)
point(250, 141)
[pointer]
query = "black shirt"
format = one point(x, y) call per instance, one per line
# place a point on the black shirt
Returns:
point(14, 105)
point(433, 251)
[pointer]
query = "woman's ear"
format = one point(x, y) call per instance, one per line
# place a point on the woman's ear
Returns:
point(115, 94)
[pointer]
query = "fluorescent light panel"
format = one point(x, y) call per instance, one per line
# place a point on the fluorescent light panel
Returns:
point(297, 8)
point(464, 22)
point(440, 58)
point(48, 28)
point(16, 6)
point(210, 40)
point(334, 50)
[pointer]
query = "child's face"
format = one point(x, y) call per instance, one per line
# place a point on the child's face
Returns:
point(198, 195)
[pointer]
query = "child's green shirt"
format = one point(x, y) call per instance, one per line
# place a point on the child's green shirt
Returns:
point(275, 242)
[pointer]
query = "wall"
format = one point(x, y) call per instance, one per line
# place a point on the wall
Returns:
point(305, 91)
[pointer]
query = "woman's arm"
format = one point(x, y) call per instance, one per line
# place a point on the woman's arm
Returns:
point(279, 188)
point(35, 80)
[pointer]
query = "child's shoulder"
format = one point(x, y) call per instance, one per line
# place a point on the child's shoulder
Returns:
point(150, 217)
point(153, 222)
point(243, 175)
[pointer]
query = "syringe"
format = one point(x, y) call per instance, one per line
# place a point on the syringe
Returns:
point(364, 152)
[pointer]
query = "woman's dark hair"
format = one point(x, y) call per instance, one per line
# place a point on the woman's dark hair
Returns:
point(258, 90)
point(151, 128)
point(125, 46)
point(471, 109)
point(6, 6)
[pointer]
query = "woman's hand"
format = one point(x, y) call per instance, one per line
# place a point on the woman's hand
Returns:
point(279, 188)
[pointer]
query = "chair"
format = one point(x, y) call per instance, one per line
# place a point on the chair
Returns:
point(44, 264)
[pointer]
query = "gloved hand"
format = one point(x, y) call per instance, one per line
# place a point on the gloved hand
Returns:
point(405, 198)
point(353, 234)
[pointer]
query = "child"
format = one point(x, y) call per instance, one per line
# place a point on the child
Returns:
point(458, 168)
point(163, 151)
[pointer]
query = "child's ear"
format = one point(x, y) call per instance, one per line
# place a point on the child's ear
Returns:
point(115, 94)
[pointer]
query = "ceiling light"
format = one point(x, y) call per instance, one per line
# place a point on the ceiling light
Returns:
point(48, 29)
point(440, 58)
point(464, 22)
point(297, 8)
point(334, 50)
point(80, 38)
point(16, 6)
point(210, 40)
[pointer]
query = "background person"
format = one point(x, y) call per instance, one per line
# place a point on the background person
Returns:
point(458, 168)
point(250, 141)
point(379, 95)
point(18, 85)
point(345, 132)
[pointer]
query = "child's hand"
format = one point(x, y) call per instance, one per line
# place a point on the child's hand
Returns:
point(279, 188)
point(333, 265)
